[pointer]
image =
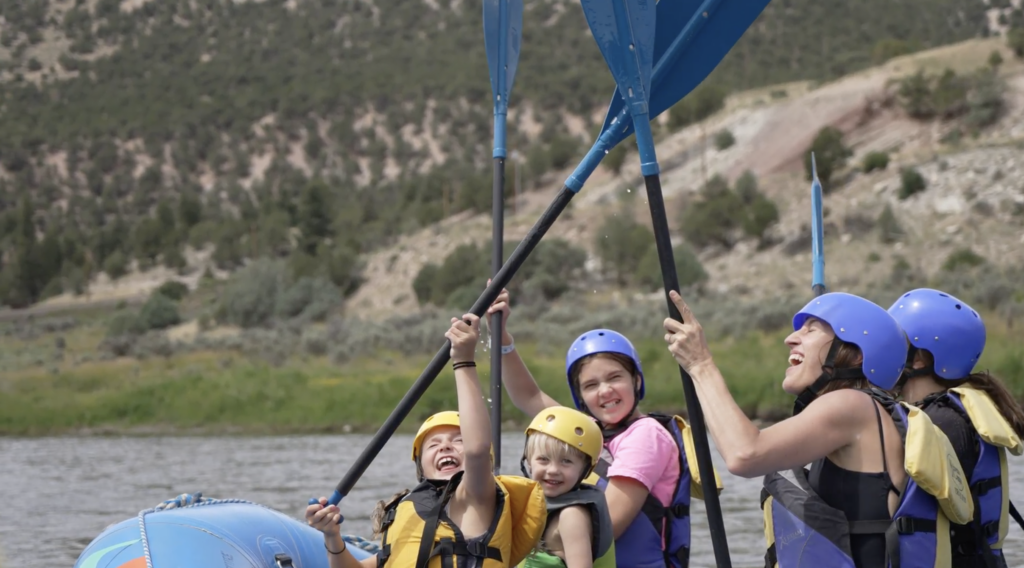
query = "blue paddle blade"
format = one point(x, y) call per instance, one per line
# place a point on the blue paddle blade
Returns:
point(503, 32)
point(691, 39)
point(817, 231)
point(624, 31)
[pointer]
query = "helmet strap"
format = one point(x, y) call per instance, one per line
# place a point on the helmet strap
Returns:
point(828, 373)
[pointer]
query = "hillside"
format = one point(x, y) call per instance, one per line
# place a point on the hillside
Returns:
point(199, 136)
point(974, 200)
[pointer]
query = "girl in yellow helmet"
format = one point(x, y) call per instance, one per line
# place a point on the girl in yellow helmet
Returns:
point(459, 515)
point(562, 448)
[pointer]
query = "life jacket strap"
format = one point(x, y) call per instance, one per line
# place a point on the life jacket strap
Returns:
point(903, 525)
point(983, 486)
point(448, 547)
point(870, 527)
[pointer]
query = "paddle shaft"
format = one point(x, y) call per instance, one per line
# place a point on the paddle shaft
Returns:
point(498, 222)
point(819, 289)
point(700, 437)
point(500, 280)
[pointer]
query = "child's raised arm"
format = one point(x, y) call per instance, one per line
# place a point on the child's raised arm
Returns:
point(520, 384)
point(475, 422)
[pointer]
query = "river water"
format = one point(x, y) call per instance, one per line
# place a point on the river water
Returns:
point(57, 494)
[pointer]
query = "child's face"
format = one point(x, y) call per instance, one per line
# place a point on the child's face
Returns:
point(607, 389)
point(441, 453)
point(555, 475)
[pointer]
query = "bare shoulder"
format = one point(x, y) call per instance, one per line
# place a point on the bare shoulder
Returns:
point(844, 407)
point(574, 520)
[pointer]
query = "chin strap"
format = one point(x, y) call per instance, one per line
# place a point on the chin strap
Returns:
point(828, 373)
point(909, 372)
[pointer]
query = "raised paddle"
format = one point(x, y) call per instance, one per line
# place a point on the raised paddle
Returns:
point(696, 36)
point(625, 32)
point(503, 30)
point(817, 233)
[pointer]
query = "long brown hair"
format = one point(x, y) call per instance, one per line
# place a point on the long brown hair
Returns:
point(377, 516)
point(993, 387)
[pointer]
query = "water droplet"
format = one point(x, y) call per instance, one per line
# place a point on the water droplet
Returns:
point(595, 291)
point(629, 190)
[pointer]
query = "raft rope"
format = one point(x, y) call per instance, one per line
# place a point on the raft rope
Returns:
point(186, 500)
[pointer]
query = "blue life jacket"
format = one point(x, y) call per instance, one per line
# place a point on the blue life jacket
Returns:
point(983, 538)
point(640, 546)
point(802, 531)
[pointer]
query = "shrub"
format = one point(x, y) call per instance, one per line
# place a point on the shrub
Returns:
point(621, 243)
point(173, 289)
point(875, 161)
point(116, 265)
point(159, 312)
point(309, 299)
point(689, 269)
point(888, 227)
point(724, 139)
point(830, 154)
point(911, 182)
point(250, 296)
point(962, 258)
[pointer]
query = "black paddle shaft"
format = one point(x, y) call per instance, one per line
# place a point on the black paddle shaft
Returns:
point(500, 280)
point(498, 222)
point(818, 289)
point(700, 436)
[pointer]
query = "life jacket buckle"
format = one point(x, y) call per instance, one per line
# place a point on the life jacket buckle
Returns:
point(477, 548)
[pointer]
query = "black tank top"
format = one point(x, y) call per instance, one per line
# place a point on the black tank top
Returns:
point(861, 496)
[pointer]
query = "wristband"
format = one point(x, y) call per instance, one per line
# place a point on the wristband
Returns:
point(506, 349)
point(344, 547)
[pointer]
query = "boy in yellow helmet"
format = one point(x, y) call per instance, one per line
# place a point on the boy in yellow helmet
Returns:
point(562, 448)
point(460, 514)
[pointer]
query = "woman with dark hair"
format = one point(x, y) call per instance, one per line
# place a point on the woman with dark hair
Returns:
point(871, 494)
point(974, 409)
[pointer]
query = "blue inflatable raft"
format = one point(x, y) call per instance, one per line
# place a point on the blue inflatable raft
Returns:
point(194, 532)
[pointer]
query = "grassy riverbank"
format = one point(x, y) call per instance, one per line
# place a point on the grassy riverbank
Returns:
point(225, 392)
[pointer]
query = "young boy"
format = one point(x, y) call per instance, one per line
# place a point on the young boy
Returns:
point(562, 449)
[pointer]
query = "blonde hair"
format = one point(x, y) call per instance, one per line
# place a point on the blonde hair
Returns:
point(553, 448)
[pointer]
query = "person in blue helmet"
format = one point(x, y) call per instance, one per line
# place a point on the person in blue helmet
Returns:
point(644, 468)
point(975, 411)
point(882, 477)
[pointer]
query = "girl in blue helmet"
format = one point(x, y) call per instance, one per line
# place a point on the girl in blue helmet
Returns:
point(977, 413)
point(644, 469)
point(844, 353)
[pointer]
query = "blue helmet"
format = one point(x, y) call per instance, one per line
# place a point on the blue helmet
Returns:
point(600, 341)
point(949, 329)
point(866, 325)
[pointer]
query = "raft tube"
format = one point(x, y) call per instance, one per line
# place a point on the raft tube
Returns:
point(215, 534)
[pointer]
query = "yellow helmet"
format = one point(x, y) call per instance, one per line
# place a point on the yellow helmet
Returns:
point(572, 427)
point(444, 418)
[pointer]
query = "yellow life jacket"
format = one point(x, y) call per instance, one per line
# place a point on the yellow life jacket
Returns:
point(418, 533)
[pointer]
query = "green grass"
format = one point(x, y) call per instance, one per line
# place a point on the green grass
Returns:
point(223, 392)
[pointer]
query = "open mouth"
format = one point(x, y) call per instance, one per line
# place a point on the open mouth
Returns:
point(611, 405)
point(795, 359)
point(447, 464)
point(553, 483)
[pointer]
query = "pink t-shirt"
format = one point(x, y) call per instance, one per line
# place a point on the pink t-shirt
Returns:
point(645, 452)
